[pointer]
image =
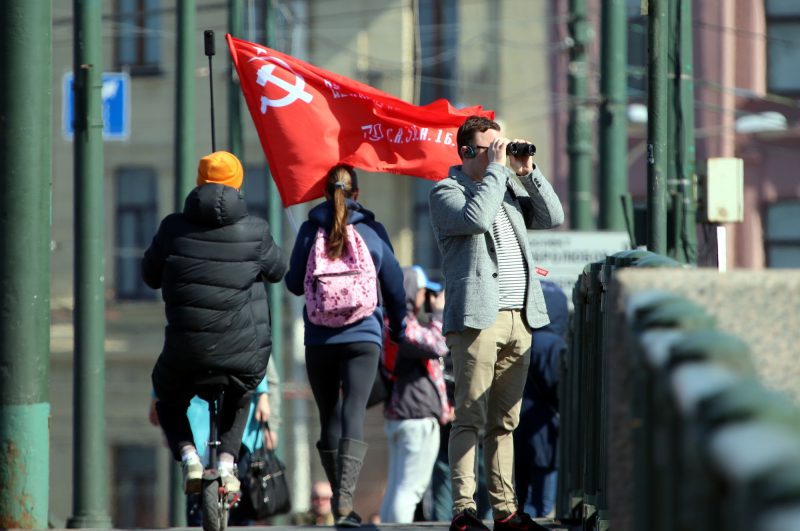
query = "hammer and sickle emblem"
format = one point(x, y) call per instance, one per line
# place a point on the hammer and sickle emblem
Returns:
point(294, 91)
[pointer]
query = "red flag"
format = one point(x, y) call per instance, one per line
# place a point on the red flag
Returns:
point(309, 119)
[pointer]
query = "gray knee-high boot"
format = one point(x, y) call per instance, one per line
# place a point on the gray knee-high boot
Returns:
point(328, 460)
point(349, 461)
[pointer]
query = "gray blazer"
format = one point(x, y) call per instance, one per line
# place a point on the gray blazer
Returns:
point(462, 213)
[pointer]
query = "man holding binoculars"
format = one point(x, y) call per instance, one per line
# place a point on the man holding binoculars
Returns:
point(480, 214)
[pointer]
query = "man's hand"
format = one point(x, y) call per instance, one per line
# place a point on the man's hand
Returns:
point(522, 164)
point(437, 302)
point(262, 410)
point(152, 414)
point(497, 150)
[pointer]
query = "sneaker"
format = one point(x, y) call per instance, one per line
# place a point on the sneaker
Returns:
point(519, 521)
point(229, 480)
point(192, 475)
point(467, 520)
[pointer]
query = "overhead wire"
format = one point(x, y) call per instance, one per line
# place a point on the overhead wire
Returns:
point(751, 33)
point(638, 24)
point(392, 69)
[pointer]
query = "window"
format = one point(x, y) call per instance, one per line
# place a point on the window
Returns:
point(438, 34)
point(637, 51)
point(426, 252)
point(139, 36)
point(782, 240)
point(254, 18)
point(254, 187)
point(783, 46)
point(137, 217)
point(280, 25)
point(134, 492)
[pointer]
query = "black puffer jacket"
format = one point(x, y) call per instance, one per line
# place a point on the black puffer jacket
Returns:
point(210, 262)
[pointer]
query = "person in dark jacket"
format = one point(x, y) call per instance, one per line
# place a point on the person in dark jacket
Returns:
point(418, 403)
point(342, 362)
point(211, 261)
point(536, 437)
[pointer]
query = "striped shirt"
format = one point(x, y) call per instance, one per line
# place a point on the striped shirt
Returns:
point(512, 271)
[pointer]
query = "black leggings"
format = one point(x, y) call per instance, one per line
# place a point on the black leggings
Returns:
point(175, 389)
point(351, 368)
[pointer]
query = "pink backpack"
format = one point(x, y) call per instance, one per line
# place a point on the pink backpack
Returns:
point(340, 292)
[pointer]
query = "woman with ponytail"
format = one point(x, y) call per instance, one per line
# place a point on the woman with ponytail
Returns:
point(342, 360)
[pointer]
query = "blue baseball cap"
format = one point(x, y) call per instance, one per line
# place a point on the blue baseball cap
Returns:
point(424, 282)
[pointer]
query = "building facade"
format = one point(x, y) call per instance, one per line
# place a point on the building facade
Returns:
point(746, 55)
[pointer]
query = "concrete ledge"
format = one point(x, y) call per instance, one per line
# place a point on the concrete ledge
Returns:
point(760, 307)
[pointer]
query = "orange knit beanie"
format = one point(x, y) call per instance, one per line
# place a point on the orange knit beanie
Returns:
point(220, 167)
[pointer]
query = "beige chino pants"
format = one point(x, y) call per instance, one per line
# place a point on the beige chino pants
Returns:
point(490, 368)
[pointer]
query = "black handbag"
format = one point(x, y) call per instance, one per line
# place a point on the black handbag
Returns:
point(266, 486)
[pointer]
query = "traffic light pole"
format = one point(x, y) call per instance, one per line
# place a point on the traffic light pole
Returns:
point(657, 41)
point(686, 164)
point(275, 213)
point(235, 24)
point(185, 167)
point(613, 119)
point(185, 160)
point(25, 156)
point(579, 132)
point(89, 470)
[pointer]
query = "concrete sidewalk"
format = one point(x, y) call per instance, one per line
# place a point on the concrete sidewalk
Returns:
point(417, 526)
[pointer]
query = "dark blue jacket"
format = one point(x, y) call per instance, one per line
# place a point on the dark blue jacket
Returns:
point(539, 422)
point(390, 276)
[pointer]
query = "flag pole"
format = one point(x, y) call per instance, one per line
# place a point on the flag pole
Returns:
point(292, 221)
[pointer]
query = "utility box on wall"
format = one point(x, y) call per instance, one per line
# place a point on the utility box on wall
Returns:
point(722, 190)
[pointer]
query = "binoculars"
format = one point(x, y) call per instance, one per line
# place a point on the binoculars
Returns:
point(520, 149)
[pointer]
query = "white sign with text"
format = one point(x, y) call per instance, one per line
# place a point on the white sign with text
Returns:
point(562, 255)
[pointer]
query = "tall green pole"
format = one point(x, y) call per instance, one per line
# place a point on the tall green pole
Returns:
point(579, 133)
point(235, 24)
point(185, 160)
point(89, 470)
point(681, 159)
point(613, 132)
point(275, 213)
point(613, 120)
point(185, 165)
point(657, 44)
point(25, 156)
point(673, 197)
point(686, 166)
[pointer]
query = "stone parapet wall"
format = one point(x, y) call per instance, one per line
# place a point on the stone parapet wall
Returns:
point(760, 307)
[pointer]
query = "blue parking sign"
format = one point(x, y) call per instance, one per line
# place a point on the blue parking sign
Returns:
point(116, 106)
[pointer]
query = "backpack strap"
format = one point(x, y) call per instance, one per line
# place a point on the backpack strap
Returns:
point(377, 276)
